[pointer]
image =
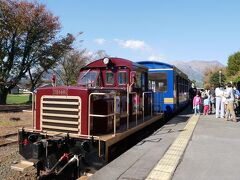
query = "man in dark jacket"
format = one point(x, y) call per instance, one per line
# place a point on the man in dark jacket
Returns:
point(192, 93)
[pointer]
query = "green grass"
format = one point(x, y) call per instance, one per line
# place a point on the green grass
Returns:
point(7, 123)
point(17, 99)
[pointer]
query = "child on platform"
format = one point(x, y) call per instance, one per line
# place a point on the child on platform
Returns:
point(196, 103)
point(206, 104)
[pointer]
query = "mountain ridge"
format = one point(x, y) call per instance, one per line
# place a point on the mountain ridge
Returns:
point(195, 69)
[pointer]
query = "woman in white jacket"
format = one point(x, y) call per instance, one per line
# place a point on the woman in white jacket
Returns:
point(219, 104)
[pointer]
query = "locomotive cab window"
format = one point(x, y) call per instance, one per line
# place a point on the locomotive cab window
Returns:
point(122, 77)
point(109, 78)
point(88, 78)
point(138, 80)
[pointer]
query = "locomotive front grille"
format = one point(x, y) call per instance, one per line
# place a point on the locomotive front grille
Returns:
point(61, 113)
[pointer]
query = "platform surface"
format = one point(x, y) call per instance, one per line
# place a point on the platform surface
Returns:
point(138, 162)
point(212, 152)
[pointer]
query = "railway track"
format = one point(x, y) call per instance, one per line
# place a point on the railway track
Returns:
point(8, 139)
point(14, 108)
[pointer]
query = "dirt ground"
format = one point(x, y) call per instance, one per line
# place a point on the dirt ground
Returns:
point(9, 155)
point(11, 121)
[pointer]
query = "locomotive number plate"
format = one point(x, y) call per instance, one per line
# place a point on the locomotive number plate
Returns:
point(60, 92)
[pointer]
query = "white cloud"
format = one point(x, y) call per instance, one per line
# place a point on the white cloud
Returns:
point(156, 57)
point(146, 50)
point(100, 41)
point(132, 44)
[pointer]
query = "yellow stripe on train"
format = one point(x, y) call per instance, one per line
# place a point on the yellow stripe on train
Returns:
point(168, 100)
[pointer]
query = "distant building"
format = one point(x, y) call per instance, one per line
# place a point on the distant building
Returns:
point(15, 90)
point(18, 90)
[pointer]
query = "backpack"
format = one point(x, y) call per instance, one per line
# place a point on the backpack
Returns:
point(235, 94)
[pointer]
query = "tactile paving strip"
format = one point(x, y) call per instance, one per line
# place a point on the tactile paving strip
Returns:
point(165, 168)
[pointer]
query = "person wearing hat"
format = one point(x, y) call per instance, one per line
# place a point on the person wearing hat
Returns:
point(230, 103)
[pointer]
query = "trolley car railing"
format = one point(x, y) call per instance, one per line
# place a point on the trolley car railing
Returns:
point(136, 107)
point(136, 110)
point(143, 108)
point(102, 115)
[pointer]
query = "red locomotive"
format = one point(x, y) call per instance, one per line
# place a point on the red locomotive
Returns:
point(78, 127)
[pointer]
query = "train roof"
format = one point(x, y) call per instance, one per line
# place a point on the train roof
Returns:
point(156, 65)
point(116, 61)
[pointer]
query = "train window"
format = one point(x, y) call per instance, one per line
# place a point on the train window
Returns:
point(109, 78)
point(149, 84)
point(143, 82)
point(88, 77)
point(162, 82)
point(138, 80)
point(122, 77)
point(152, 85)
point(98, 82)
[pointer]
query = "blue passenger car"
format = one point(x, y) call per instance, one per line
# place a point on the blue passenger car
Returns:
point(169, 84)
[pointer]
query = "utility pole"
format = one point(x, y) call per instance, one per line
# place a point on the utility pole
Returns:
point(220, 77)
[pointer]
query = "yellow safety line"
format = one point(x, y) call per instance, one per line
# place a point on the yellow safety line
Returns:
point(165, 168)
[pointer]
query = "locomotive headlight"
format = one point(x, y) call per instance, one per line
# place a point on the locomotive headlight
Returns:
point(106, 61)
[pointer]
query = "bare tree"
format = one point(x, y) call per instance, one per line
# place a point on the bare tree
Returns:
point(71, 64)
point(98, 55)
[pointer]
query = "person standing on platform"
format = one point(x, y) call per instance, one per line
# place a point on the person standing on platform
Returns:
point(196, 103)
point(212, 99)
point(223, 105)
point(219, 104)
point(192, 93)
point(224, 99)
point(236, 97)
point(206, 104)
point(230, 103)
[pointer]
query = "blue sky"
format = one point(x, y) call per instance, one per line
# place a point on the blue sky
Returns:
point(164, 30)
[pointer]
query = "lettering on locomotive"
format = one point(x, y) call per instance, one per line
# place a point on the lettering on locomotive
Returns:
point(60, 92)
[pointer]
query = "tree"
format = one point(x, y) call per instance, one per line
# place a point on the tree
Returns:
point(71, 64)
point(100, 54)
point(215, 78)
point(28, 39)
point(97, 55)
point(206, 78)
point(233, 68)
point(48, 59)
point(208, 75)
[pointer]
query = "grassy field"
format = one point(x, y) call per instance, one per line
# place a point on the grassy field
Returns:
point(17, 98)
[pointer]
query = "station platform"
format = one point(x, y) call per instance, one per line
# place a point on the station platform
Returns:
point(187, 147)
